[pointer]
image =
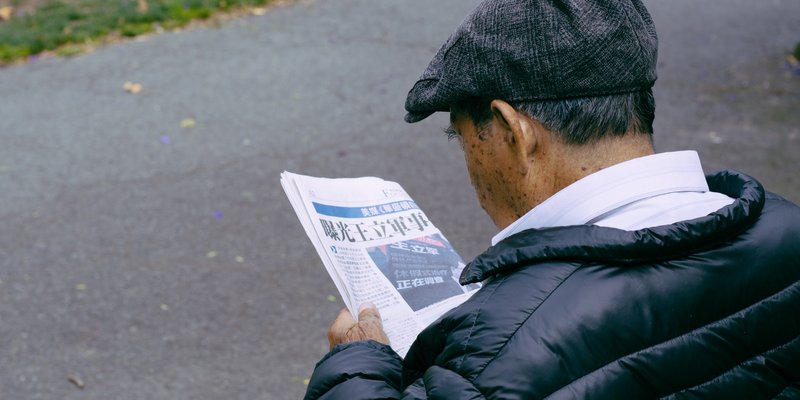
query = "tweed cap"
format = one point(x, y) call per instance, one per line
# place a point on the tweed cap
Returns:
point(525, 50)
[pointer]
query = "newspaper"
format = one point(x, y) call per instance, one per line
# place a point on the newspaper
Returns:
point(378, 246)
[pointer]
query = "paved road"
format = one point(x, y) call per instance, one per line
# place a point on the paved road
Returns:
point(152, 261)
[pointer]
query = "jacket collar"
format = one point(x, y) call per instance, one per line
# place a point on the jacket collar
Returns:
point(589, 243)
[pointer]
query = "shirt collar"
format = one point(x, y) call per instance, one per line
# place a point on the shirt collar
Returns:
point(614, 187)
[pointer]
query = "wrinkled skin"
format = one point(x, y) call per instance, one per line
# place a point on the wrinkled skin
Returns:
point(345, 329)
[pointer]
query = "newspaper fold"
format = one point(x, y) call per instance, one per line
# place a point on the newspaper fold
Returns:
point(378, 245)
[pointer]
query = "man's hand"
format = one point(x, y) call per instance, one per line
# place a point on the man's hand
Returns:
point(345, 329)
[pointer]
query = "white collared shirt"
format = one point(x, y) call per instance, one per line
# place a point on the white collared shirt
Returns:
point(649, 191)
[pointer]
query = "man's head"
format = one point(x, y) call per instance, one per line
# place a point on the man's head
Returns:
point(518, 155)
point(541, 93)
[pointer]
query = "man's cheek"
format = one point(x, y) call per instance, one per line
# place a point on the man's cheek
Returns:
point(483, 190)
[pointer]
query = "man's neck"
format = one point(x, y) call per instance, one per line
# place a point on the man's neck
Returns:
point(579, 161)
point(556, 165)
point(559, 165)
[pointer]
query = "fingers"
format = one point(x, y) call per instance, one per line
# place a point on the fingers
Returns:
point(346, 329)
point(339, 328)
point(369, 324)
point(368, 311)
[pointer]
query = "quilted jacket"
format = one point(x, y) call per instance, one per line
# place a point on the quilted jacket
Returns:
point(705, 308)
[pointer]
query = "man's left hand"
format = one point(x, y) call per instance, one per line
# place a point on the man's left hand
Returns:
point(368, 327)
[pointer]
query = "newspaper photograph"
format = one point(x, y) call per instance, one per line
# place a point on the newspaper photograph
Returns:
point(379, 246)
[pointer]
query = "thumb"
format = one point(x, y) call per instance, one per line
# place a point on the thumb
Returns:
point(370, 324)
point(367, 311)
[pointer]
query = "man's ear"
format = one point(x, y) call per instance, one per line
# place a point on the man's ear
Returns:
point(518, 132)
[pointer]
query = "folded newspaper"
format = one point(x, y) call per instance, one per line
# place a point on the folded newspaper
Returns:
point(378, 246)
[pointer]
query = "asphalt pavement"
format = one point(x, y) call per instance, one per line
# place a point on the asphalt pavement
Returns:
point(147, 249)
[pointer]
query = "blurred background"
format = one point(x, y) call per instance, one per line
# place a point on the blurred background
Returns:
point(147, 249)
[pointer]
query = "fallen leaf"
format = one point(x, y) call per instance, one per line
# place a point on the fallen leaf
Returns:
point(246, 142)
point(188, 123)
point(6, 13)
point(300, 379)
point(4, 168)
point(142, 7)
point(131, 87)
point(80, 286)
point(715, 137)
point(259, 11)
point(76, 381)
point(211, 254)
point(249, 196)
point(332, 298)
point(164, 307)
point(794, 64)
point(239, 259)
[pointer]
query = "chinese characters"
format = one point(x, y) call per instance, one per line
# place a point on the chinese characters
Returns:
point(377, 229)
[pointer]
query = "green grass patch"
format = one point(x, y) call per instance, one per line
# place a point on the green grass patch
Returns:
point(63, 25)
point(69, 50)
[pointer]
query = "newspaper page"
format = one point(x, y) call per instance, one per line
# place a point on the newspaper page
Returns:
point(379, 246)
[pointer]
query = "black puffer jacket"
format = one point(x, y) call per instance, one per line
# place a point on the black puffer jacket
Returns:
point(706, 308)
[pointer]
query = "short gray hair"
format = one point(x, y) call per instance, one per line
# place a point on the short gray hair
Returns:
point(579, 120)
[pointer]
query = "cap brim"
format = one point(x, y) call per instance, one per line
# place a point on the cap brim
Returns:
point(413, 117)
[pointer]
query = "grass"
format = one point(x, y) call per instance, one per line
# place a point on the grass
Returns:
point(66, 26)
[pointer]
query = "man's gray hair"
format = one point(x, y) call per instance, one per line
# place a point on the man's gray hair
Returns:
point(580, 120)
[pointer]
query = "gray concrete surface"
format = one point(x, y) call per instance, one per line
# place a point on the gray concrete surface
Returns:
point(110, 209)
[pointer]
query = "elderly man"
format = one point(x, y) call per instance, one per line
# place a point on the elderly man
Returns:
point(618, 273)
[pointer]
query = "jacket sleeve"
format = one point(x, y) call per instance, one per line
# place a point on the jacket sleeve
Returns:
point(358, 370)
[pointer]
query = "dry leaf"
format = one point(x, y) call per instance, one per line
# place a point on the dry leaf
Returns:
point(76, 381)
point(211, 254)
point(131, 87)
point(80, 286)
point(239, 259)
point(6, 13)
point(300, 379)
point(188, 123)
point(259, 11)
point(249, 196)
point(142, 7)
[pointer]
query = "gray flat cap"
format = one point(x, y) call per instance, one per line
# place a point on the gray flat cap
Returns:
point(524, 50)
